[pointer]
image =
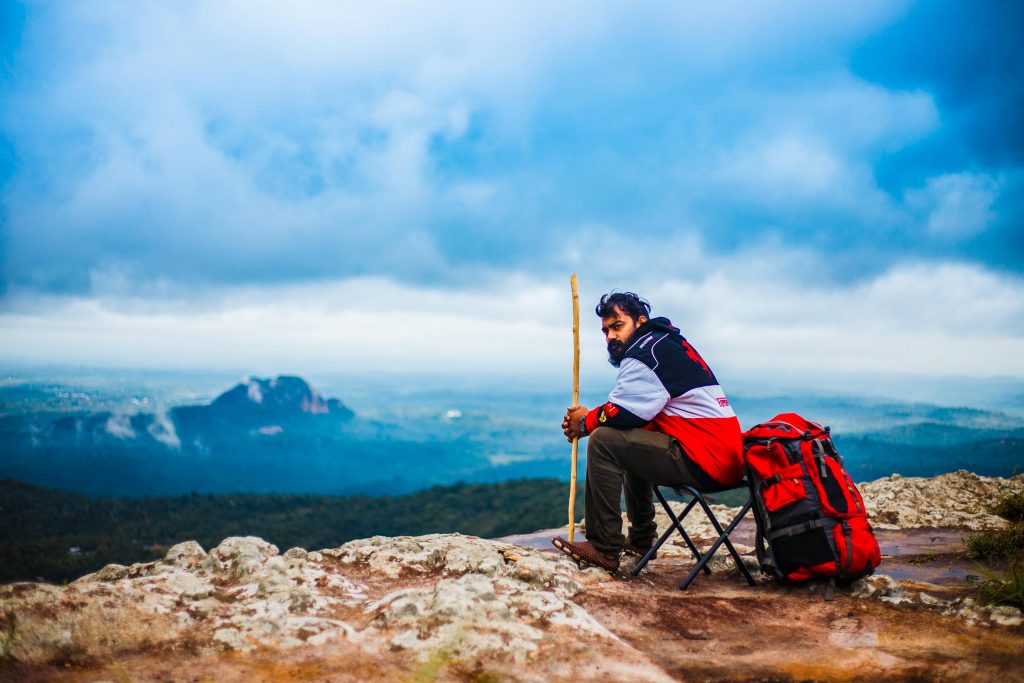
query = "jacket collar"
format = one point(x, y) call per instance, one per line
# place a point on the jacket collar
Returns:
point(653, 325)
point(656, 325)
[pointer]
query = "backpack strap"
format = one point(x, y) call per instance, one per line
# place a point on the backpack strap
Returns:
point(848, 535)
point(795, 529)
point(762, 525)
point(764, 553)
point(794, 470)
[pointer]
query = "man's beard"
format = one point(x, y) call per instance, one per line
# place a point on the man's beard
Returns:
point(616, 352)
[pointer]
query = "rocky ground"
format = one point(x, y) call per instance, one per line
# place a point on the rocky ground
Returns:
point(456, 608)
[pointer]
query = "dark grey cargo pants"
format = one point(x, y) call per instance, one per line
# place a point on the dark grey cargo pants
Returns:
point(633, 459)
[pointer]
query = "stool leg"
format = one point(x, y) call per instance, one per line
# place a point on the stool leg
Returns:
point(677, 523)
point(739, 561)
point(642, 562)
point(722, 538)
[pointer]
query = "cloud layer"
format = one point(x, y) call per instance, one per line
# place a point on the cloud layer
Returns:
point(951, 321)
point(822, 155)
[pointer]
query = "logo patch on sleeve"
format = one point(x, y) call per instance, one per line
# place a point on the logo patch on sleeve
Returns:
point(723, 401)
point(611, 409)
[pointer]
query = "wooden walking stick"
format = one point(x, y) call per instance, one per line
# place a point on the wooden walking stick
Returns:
point(575, 397)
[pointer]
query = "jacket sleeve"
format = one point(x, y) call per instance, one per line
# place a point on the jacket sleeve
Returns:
point(637, 397)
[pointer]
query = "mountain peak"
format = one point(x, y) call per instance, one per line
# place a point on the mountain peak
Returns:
point(284, 394)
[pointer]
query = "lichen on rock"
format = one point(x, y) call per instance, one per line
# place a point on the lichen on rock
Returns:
point(953, 500)
point(469, 616)
point(240, 595)
point(434, 552)
point(455, 555)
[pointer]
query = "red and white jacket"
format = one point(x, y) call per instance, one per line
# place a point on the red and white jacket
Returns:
point(665, 385)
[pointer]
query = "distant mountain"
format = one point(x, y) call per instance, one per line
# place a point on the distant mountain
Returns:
point(283, 396)
point(926, 434)
point(280, 435)
point(268, 405)
point(262, 435)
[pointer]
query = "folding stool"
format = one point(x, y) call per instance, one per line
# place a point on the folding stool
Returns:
point(696, 497)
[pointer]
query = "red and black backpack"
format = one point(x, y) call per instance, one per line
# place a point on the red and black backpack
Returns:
point(811, 521)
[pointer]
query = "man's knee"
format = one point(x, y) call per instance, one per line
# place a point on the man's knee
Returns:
point(605, 442)
point(601, 438)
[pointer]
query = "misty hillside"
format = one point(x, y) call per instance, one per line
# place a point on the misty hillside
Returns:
point(283, 436)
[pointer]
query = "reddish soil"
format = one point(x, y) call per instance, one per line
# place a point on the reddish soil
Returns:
point(721, 629)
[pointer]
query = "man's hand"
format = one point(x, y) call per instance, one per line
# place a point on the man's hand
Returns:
point(571, 421)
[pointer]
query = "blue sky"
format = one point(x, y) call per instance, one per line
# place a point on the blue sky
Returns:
point(798, 184)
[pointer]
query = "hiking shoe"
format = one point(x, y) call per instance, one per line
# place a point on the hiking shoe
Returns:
point(638, 550)
point(585, 553)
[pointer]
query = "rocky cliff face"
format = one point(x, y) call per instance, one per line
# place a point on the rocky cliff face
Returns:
point(451, 607)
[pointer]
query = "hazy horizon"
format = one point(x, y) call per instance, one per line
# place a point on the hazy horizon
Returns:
point(1000, 394)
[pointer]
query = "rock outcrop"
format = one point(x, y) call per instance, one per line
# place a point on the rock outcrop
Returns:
point(452, 607)
point(959, 500)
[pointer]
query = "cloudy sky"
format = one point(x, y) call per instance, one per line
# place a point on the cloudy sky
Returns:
point(407, 186)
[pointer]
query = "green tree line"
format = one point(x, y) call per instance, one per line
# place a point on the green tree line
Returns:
point(58, 536)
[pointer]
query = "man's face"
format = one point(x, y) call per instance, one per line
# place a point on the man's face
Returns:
point(618, 330)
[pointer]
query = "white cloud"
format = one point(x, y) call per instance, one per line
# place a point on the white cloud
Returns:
point(927, 320)
point(956, 205)
point(119, 425)
point(852, 114)
point(162, 429)
point(807, 149)
point(786, 168)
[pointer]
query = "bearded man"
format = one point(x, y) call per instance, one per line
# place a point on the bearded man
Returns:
point(666, 422)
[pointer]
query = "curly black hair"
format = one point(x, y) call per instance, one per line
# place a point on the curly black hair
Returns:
point(629, 303)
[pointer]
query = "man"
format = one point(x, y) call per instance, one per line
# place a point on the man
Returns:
point(666, 422)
